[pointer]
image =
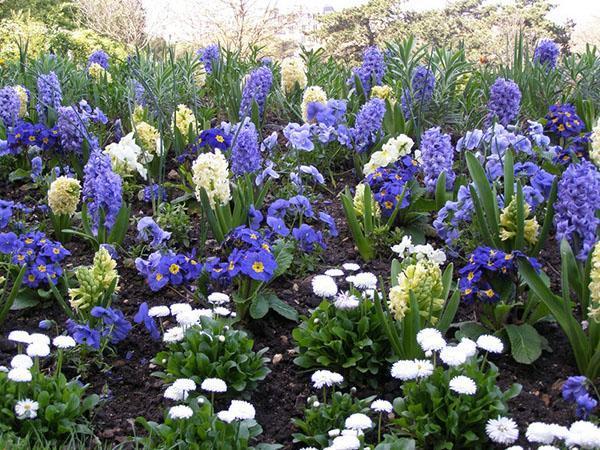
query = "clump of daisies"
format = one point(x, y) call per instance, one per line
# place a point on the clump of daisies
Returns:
point(451, 396)
point(30, 396)
point(344, 333)
point(581, 434)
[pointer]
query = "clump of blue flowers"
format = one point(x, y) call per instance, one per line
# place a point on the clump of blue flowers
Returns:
point(452, 215)
point(49, 94)
point(371, 71)
point(578, 199)
point(99, 57)
point(25, 135)
point(367, 126)
point(575, 390)
point(420, 92)
point(505, 101)
point(256, 88)
point(245, 152)
point(208, 56)
point(546, 53)
point(9, 106)
point(108, 324)
point(563, 121)
point(161, 269)
point(438, 155)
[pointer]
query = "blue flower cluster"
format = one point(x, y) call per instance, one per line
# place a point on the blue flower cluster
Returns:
point(208, 56)
point(154, 192)
point(546, 53)
point(150, 231)
point(452, 215)
point(149, 322)
point(438, 155)
point(250, 255)
point(563, 121)
point(25, 134)
point(110, 323)
point(245, 152)
point(99, 57)
point(420, 93)
point(505, 101)
point(49, 94)
point(371, 71)
point(367, 126)
point(9, 106)
point(161, 269)
point(578, 199)
point(102, 190)
point(485, 263)
point(256, 88)
point(575, 390)
point(41, 256)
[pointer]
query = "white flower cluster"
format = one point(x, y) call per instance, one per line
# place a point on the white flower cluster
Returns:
point(326, 378)
point(582, 434)
point(325, 286)
point(406, 249)
point(238, 410)
point(210, 172)
point(293, 71)
point(126, 156)
point(394, 149)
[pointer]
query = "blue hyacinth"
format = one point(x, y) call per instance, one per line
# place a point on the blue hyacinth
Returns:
point(71, 127)
point(371, 71)
point(245, 152)
point(421, 91)
point(505, 101)
point(99, 57)
point(438, 155)
point(367, 125)
point(49, 94)
point(208, 55)
point(256, 88)
point(546, 53)
point(9, 106)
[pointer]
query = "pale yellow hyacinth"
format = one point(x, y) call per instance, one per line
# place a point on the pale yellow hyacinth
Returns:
point(200, 76)
point(63, 196)
point(97, 72)
point(210, 172)
point(359, 202)
point(147, 136)
point(312, 94)
point(383, 92)
point(22, 94)
point(595, 151)
point(594, 286)
point(293, 71)
point(93, 281)
point(508, 223)
point(184, 117)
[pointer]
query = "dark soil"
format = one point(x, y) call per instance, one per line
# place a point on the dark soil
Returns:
point(130, 391)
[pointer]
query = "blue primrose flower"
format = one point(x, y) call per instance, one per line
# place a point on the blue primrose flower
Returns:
point(278, 226)
point(259, 265)
point(308, 238)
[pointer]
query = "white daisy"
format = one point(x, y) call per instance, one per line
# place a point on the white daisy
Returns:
point(514, 447)
point(180, 412)
point(424, 368)
point(358, 421)
point(64, 342)
point(175, 334)
point(327, 378)
point(159, 311)
point(185, 384)
point(324, 286)
point(468, 347)
point(214, 385)
point(365, 280)
point(26, 409)
point(39, 338)
point(226, 416)
point(345, 300)
point(38, 348)
point(352, 267)
point(346, 442)
point(502, 430)
point(490, 343)
point(334, 273)
point(172, 393)
point(221, 311)
point(177, 308)
point(540, 433)
point(242, 410)
point(19, 336)
point(584, 434)
point(404, 370)
point(21, 361)
point(453, 356)
point(19, 375)
point(430, 339)
point(463, 385)
point(382, 406)
point(4, 369)
point(218, 298)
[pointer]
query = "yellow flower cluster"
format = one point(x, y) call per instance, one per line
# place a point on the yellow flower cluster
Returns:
point(210, 172)
point(184, 117)
point(63, 196)
point(312, 94)
point(94, 281)
point(293, 71)
point(424, 280)
point(595, 151)
point(508, 223)
point(390, 152)
point(97, 72)
point(359, 202)
point(147, 136)
point(384, 92)
point(22, 94)
point(200, 76)
point(594, 307)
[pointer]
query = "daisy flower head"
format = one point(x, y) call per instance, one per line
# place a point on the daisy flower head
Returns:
point(21, 361)
point(382, 406)
point(468, 347)
point(324, 286)
point(40, 338)
point(242, 410)
point(218, 298)
point(214, 385)
point(514, 447)
point(221, 311)
point(180, 412)
point(334, 273)
point(38, 349)
point(346, 442)
point(358, 421)
point(412, 369)
point(430, 339)
point(584, 434)
point(490, 343)
point(226, 416)
point(322, 378)
point(26, 409)
point(172, 393)
point(453, 355)
point(19, 375)
point(548, 447)
point(365, 280)
point(345, 301)
point(64, 342)
point(159, 311)
point(178, 308)
point(19, 336)
point(540, 433)
point(175, 334)
point(185, 384)
point(351, 267)
point(502, 430)
point(463, 385)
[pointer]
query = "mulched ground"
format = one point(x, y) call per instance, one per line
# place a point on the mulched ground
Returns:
point(130, 391)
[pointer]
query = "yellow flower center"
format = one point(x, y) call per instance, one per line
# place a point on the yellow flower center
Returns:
point(258, 266)
point(174, 269)
point(42, 268)
point(159, 276)
point(220, 138)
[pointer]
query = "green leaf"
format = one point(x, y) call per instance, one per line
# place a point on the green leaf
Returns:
point(259, 306)
point(24, 300)
point(525, 343)
point(18, 174)
point(282, 308)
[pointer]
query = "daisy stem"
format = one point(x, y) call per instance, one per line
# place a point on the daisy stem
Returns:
point(212, 403)
point(484, 360)
point(58, 363)
point(379, 429)
point(324, 395)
